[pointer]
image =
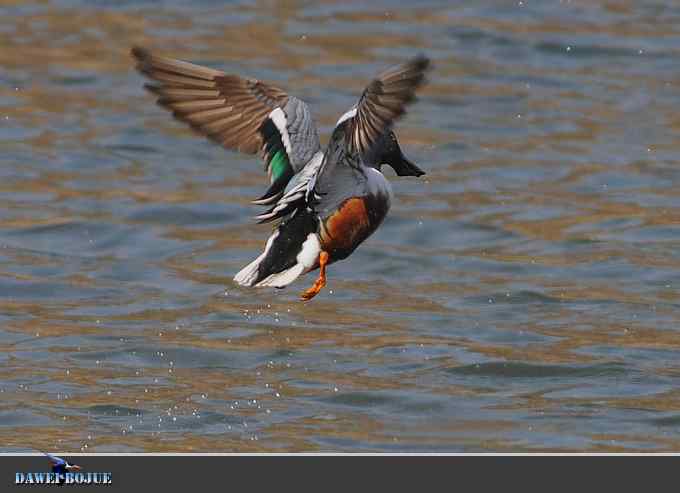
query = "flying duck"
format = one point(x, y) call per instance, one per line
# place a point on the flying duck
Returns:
point(325, 202)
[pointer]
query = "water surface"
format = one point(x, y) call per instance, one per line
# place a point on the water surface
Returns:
point(522, 296)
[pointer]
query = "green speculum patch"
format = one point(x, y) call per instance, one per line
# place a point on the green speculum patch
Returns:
point(278, 165)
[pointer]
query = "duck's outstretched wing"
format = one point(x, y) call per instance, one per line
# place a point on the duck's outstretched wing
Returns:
point(383, 101)
point(325, 182)
point(241, 114)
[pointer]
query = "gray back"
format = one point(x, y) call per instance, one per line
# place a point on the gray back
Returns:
point(340, 177)
point(304, 140)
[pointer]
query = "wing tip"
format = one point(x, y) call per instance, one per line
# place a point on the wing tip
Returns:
point(421, 62)
point(142, 55)
point(138, 51)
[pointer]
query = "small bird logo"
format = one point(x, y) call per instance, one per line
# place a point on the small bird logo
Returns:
point(61, 466)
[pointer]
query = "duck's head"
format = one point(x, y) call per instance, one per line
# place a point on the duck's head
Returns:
point(390, 154)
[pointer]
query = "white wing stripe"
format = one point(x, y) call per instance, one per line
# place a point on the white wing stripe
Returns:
point(350, 114)
point(279, 119)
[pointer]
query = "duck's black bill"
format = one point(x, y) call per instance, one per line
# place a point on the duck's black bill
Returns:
point(404, 167)
point(392, 156)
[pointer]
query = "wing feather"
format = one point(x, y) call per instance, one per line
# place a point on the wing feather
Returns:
point(383, 101)
point(228, 109)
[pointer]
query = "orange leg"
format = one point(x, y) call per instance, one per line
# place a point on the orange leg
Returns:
point(320, 282)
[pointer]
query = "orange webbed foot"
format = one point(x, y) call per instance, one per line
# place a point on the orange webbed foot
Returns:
point(314, 290)
point(321, 280)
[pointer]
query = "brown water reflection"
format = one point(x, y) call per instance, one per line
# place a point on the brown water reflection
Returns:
point(522, 296)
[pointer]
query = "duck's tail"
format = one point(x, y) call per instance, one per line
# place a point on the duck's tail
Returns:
point(292, 250)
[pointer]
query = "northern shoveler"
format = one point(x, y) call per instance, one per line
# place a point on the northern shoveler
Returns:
point(326, 202)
